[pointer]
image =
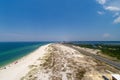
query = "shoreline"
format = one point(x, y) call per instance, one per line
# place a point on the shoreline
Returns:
point(19, 57)
point(17, 69)
point(57, 62)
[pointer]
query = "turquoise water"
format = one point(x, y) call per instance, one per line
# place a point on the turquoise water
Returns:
point(11, 51)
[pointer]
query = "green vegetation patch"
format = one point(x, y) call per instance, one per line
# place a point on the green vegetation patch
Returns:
point(110, 50)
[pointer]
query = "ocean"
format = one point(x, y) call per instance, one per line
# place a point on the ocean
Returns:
point(11, 51)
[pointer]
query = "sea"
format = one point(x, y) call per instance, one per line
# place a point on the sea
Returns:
point(11, 51)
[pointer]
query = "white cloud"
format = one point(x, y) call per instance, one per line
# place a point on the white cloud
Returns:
point(100, 12)
point(101, 1)
point(112, 8)
point(106, 35)
point(117, 20)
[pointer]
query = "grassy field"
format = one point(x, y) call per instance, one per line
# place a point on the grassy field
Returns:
point(110, 50)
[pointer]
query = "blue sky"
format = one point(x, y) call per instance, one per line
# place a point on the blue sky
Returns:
point(44, 20)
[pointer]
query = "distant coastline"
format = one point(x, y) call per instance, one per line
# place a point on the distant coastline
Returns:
point(95, 42)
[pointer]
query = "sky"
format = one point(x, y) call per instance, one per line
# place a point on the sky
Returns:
point(59, 20)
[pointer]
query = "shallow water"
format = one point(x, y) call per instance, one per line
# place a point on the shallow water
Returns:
point(11, 51)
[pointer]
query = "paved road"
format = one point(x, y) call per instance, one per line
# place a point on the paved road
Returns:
point(109, 62)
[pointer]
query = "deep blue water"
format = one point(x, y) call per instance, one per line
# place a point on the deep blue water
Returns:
point(11, 51)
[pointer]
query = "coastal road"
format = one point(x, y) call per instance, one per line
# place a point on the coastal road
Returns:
point(105, 60)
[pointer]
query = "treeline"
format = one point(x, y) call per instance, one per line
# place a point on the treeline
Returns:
point(111, 50)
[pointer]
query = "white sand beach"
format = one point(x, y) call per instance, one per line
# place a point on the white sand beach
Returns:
point(62, 62)
point(19, 68)
point(56, 62)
